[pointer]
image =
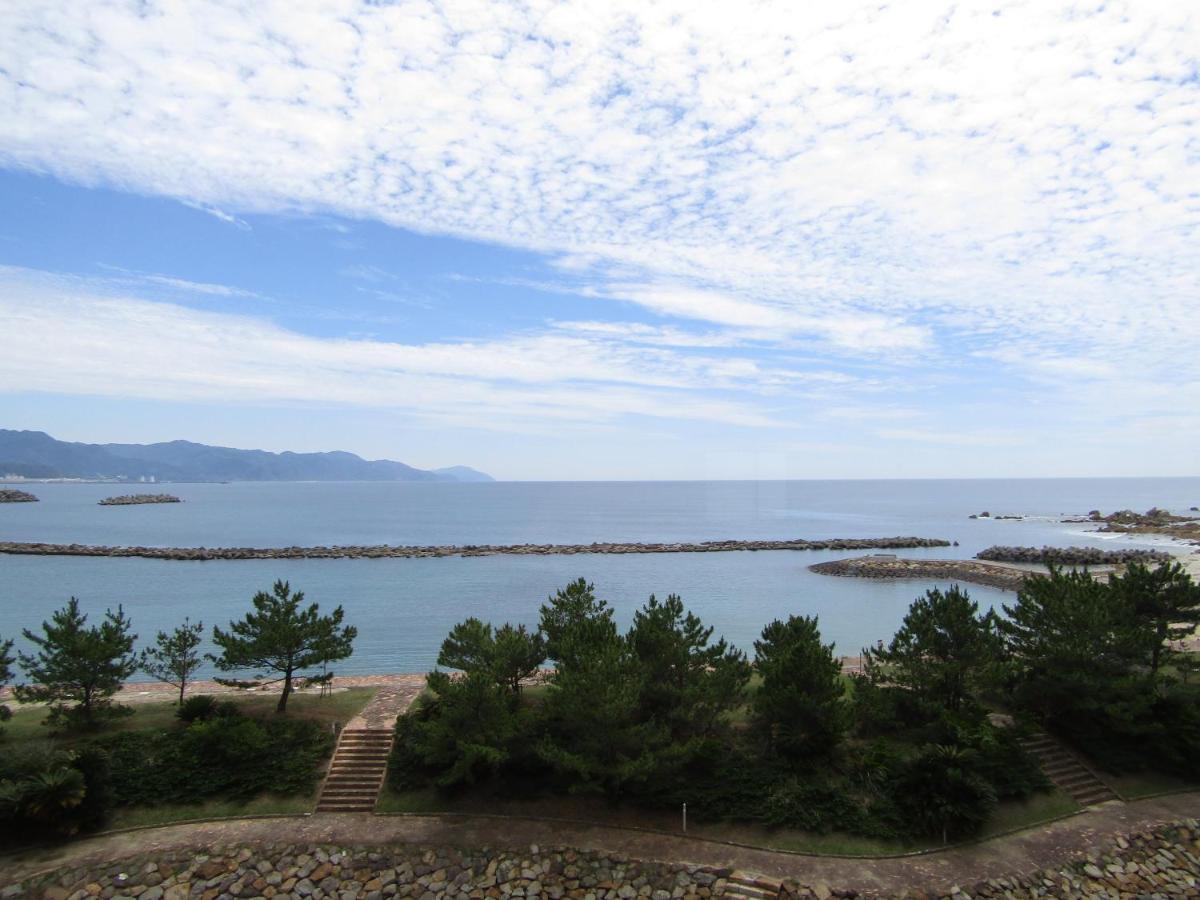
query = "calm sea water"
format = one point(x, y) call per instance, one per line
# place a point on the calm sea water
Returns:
point(404, 607)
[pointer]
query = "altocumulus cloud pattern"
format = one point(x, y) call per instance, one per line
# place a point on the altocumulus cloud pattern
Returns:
point(1000, 187)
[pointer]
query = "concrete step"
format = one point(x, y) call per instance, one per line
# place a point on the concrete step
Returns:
point(356, 771)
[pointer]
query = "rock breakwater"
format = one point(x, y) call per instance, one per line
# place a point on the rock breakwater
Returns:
point(385, 551)
point(9, 496)
point(137, 499)
point(1072, 556)
point(976, 572)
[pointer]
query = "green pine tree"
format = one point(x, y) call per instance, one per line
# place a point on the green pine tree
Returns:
point(280, 637)
point(78, 665)
point(800, 701)
point(174, 657)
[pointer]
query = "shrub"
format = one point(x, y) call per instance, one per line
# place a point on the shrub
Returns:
point(197, 708)
point(52, 792)
point(812, 804)
point(941, 793)
point(224, 756)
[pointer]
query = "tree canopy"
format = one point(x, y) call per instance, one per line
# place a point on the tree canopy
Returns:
point(800, 701)
point(77, 664)
point(174, 658)
point(942, 652)
point(279, 636)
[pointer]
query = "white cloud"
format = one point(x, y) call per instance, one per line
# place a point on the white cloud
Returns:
point(880, 178)
point(76, 336)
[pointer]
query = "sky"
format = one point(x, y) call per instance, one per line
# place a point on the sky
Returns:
point(606, 240)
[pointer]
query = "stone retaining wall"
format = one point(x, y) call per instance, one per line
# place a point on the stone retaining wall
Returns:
point(290, 872)
point(1163, 862)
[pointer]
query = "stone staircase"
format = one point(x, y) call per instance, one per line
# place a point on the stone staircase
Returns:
point(356, 771)
point(751, 887)
point(1067, 771)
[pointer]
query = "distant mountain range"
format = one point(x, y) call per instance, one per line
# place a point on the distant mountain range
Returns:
point(34, 454)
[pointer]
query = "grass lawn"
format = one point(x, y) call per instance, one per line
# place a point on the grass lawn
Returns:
point(266, 804)
point(1144, 784)
point(26, 722)
point(1007, 816)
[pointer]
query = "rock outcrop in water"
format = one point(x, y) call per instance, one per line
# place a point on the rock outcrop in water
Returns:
point(385, 551)
point(881, 566)
point(8, 496)
point(1071, 556)
point(1152, 521)
point(136, 499)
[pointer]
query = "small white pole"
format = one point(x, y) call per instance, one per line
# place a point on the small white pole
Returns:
point(685, 817)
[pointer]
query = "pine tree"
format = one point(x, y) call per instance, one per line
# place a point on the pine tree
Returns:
point(800, 701)
point(173, 658)
point(942, 652)
point(1166, 603)
point(279, 636)
point(77, 664)
point(507, 655)
point(688, 683)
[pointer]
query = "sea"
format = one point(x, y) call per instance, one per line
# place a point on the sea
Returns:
point(403, 608)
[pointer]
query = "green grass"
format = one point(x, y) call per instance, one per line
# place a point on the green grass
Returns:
point(263, 805)
point(1144, 784)
point(26, 723)
point(1006, 817)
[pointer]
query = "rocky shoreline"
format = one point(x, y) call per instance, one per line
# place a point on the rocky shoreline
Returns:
point(138, 499)
point(1072, 556)
point(386, 551)
point(12, 496)
point(974, 571)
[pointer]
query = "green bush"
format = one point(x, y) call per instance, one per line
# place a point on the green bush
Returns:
point(817, 804)
point(225, 756)
point(941, 793)
point(197, 708)
point(46, 792)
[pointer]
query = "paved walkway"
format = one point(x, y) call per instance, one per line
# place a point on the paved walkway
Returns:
point(1021, 853)
point(392, 698)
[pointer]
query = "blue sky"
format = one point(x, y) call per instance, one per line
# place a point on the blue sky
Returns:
point(601, 241)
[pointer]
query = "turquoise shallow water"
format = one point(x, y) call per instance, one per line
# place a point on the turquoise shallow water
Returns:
point(404, 607)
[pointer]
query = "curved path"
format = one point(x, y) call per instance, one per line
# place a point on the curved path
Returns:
point(1014, 854)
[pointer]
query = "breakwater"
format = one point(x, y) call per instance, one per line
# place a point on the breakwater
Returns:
point(1072, 556)
point(976, 572)
point(387, 551)
point(138, 499)
point(8, 496)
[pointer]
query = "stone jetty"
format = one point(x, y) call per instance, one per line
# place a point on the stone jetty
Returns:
point(386, 551)
point(1072, 556)
point(137, 499)
point(10, 496)
point(879, 566)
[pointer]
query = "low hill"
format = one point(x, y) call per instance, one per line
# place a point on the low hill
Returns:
point(35, 454)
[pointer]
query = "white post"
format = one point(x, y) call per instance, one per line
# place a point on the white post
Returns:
point(685, 817)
